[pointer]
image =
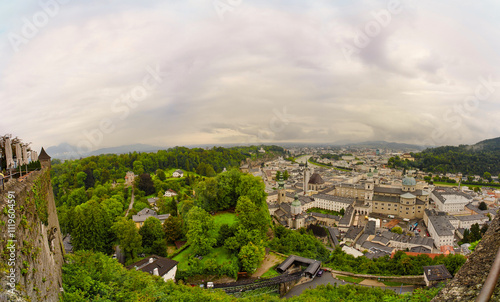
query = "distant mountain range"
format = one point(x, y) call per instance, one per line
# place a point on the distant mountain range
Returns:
point(388, 145)
point(67, 151)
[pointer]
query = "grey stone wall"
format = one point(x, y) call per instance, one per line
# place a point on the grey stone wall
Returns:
point(36, 257)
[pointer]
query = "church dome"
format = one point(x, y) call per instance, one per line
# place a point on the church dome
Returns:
point(296, 201)
point(409, 181)
point(316, 179)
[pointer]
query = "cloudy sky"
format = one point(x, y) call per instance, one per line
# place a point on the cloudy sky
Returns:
point(106, 73)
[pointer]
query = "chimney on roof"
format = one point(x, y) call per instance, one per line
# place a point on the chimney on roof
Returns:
point(429, 272)
point(155, 272)
point(151, 260)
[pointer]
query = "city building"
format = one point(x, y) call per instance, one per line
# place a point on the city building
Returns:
point(450, 200)
point(144, 214)
point(178, 173)
point(436, 273)
point(441, 230)
point(158, 266)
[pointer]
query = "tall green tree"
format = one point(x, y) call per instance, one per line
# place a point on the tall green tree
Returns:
point(91, 228)
point(161, 174)
point(145, 183)
point(250, 257)
point(152, 235)
point(250, 216)
point(200, 231)
point(173, 228)
point(129, 239)
point(80, 179)
point(138, 168)
point(206, 193)
point(113, 207)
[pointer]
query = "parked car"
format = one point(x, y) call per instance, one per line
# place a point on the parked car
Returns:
point(319, 273)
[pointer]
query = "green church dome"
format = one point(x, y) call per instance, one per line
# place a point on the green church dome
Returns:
point(409, 181)
point(296, 201)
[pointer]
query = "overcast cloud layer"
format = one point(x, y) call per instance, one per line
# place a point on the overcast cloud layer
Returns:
point(106, 73)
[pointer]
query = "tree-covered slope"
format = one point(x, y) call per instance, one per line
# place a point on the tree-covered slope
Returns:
point(467, 159)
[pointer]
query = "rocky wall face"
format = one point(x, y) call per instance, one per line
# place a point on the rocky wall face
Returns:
point(30, 241)
point(468, 281)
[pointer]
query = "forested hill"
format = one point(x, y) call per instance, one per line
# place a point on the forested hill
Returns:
point(487, 145)
point(204, 162)
point(467, 159)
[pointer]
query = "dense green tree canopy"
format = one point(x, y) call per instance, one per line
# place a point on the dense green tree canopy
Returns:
point(89, 276)
point(91, 228)
point(251, 256)
point(200, 231)
point(129, 239)
point(152, 234)
point(469, 160)
point(173, 228)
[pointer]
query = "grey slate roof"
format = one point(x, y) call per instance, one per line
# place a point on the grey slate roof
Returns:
point(370, 228)
point(346, 219)
point(313, 267)
point(376, 255)
point(441, 192)
point(381, 240)
point(362, 239)
point(420, 249)
point(437, 272)
point(395, 191)
point(442, 225)
point(353, 232)
point(383, 198)
point(373, 246)
point(145, 213)
point(333, 234)
point(341, 199)
point(471, 217)
point(164, 265)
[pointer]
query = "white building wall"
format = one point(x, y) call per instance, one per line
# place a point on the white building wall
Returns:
point(468, 224)
point(170, 275)
point(439, 240)
point(453, 203)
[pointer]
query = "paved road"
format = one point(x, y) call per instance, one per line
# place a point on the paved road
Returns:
point(328, 278)
point(131, 203)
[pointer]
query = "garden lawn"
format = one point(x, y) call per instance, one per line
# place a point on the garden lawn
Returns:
point(220, 254)
point(322, 211)
point(350, 279)
point(447, 184)
point(224, 218)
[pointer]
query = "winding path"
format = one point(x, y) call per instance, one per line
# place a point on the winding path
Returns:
point(131, 203)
